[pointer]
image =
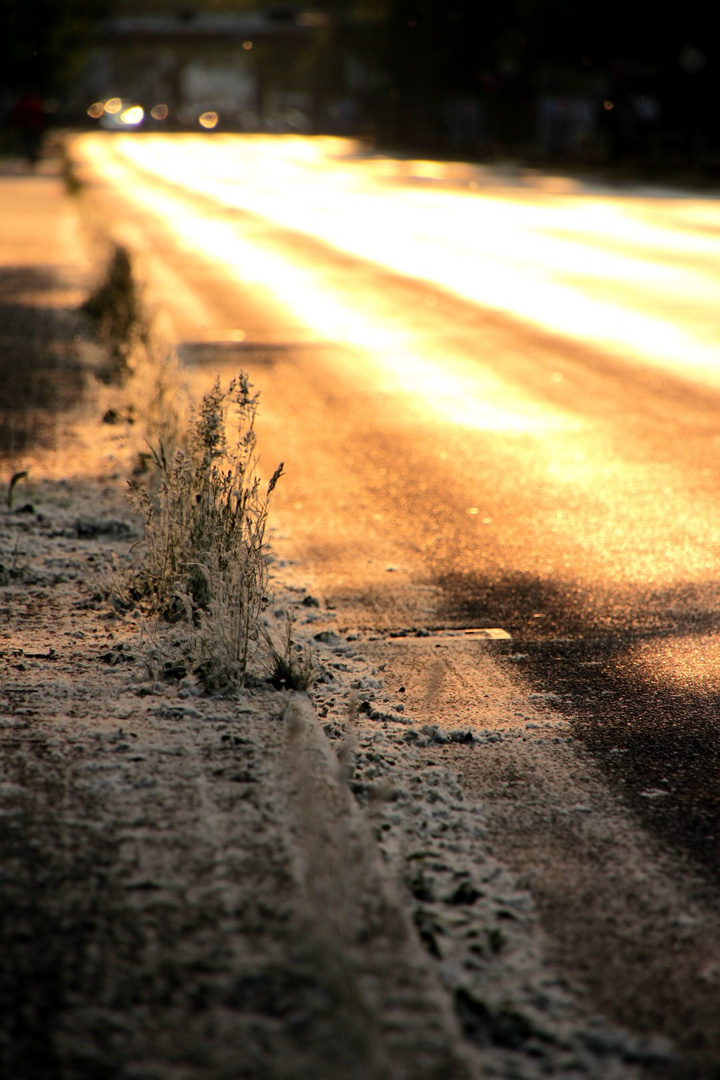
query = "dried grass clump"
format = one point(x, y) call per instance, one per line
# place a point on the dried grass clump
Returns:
point(121, 322)
point(293, 666)
point(203, 556)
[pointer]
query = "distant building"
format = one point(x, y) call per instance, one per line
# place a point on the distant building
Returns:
point(194, 62)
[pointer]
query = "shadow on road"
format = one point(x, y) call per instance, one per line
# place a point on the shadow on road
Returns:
point(40, 372)
point(656, 740)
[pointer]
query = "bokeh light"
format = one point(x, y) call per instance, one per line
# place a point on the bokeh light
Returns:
point(133, 116)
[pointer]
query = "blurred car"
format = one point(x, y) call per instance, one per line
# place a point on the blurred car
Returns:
point(117, 114)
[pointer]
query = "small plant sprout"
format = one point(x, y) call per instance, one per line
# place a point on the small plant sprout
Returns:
point(14, 481)
point(293, 666)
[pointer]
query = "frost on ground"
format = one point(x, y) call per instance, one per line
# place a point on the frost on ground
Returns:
point(214, 887)
point(473, 918)
point(187, 888)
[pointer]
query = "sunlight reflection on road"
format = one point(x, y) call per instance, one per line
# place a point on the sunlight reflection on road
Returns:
point(638, 276)
point(395, 358)
point(679, 662)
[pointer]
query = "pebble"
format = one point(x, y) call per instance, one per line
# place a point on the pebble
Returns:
point(11, 791)
point(545, 698)
point(434, 733)
point(328, 637)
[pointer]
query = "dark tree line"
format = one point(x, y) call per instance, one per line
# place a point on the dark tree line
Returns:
point(507, 55)
point(43, 42)
point(454, 39)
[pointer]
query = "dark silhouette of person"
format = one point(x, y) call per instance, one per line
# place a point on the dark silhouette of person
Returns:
point(28, 116)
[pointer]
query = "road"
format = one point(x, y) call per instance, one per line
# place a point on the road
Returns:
point(497, 399)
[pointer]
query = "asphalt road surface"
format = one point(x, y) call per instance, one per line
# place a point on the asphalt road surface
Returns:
point(498, 402)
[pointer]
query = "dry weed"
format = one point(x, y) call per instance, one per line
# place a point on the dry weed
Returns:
point(121, 322)
point(203, 561)
point(204, 557)
point(292, 666)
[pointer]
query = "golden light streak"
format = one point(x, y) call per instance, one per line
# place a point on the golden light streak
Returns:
point(607, 270)
point(685, 662)
point(396, 360)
